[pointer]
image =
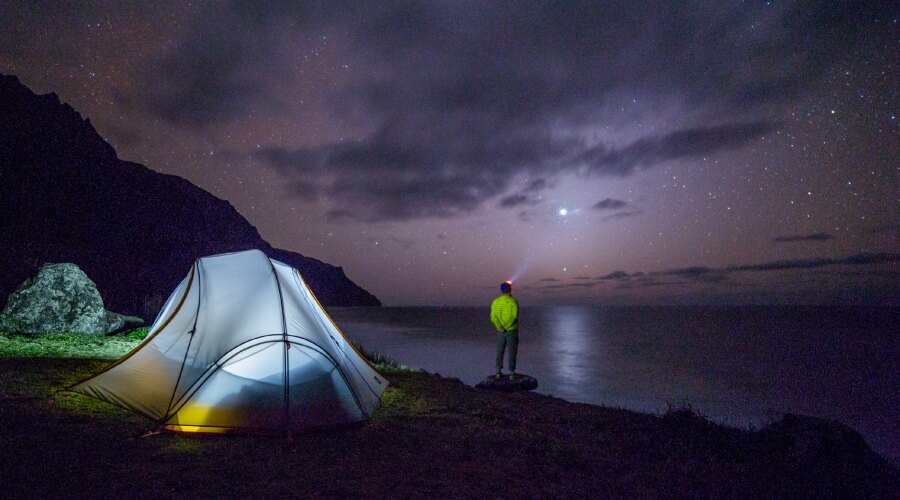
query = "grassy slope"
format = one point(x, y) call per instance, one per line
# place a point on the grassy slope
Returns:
point(431, 436)
point(70, 345)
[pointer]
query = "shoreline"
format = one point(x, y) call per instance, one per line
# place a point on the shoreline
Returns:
point(743, 367)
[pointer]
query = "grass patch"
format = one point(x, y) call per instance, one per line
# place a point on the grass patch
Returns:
point(70, 345)
point(380, 361)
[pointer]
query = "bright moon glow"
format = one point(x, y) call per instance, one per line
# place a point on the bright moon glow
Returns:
point(563, 212)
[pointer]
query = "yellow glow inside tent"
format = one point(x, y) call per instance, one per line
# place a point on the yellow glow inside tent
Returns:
point(190, 428)
point(196, 415)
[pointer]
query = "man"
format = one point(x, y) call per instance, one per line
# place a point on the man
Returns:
point(505, 317)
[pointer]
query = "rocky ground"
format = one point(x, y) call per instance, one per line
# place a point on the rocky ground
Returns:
point(431, 437)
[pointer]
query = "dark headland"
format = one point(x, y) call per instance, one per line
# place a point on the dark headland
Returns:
point(66, 197)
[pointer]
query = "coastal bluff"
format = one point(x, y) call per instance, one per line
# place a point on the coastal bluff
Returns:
point(431, 437)
point(67, 197)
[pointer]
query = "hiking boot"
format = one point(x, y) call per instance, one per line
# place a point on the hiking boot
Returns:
point(499, 375)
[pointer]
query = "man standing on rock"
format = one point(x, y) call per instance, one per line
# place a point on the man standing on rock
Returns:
point(505, 317)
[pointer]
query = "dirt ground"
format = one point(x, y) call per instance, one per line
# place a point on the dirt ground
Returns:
point(431, 437)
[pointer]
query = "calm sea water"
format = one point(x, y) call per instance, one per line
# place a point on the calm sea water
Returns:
point(742, 366)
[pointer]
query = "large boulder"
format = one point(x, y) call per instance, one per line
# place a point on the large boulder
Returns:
point(59, 299)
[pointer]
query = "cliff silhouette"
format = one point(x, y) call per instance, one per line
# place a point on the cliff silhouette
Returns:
point(65, 196)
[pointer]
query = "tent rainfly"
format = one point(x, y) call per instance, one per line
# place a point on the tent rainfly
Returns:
point(242, 344)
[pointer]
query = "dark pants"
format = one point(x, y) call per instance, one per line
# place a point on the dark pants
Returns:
point(510, 339)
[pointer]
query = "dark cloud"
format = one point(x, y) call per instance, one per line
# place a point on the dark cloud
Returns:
point(536, 185)
point(609, 204)
point(515, 200)
point(466, 99)
point(802, 237)
point(386, 178)
point(459, 103)
point(383, 179)
point(526, 196)
point(699, 275)
point(710, 274)
point(686, 143)
point(527, 215)
point(622, 215)
point(852, 260)
point(689, 271)
point(648, 283)
point(304, 189)
point(884, 228)
point(615, 275)
point(218, 72)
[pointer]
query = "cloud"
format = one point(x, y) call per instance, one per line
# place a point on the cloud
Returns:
point(622, 215)
point(729, 276)
point(382, 179)
point(609, 204)
point(648, 281)
point(802, 237)
point(884, 228)
point(526, 196)
point(385, 178)
point(218, 71)
point(697, 274)
point(615, 275)
point(515, 200)
point(712, 274)
point(452, 106)
point(536, 185)
point(852, 260)
point(685, 143)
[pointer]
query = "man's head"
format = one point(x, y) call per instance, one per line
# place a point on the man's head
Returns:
point(506, 287)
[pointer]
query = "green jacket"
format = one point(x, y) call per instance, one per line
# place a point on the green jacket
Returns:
point(505, 313)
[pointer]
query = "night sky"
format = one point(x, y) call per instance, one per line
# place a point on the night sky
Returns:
point(629, 152)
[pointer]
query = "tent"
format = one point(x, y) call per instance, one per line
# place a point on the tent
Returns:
point(242, 344)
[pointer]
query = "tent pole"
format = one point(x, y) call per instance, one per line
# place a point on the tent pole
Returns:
point(287, 346)
point(190, 341)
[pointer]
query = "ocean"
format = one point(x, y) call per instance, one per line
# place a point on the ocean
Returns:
point(741, 366)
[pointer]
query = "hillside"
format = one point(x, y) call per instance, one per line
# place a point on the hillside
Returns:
point(66, 197)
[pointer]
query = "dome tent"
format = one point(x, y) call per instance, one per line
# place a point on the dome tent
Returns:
point(242, 344)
